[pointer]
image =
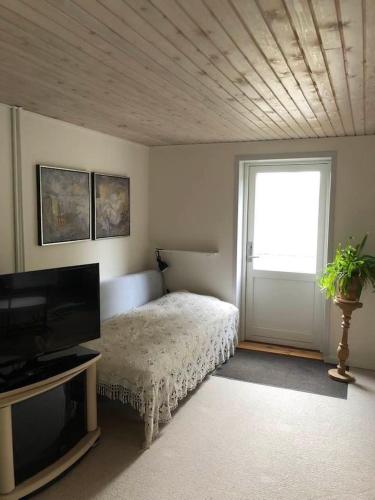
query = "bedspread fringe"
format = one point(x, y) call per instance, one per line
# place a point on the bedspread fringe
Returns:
point(123, 394)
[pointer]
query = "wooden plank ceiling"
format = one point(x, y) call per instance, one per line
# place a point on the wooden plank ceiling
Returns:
point(193, 71)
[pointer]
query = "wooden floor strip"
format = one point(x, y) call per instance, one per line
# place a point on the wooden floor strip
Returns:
point(280, 349)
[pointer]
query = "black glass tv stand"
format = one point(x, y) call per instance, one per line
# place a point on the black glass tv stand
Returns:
point(48, 418)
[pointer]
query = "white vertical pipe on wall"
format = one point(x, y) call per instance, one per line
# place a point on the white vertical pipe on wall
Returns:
point(17, 189)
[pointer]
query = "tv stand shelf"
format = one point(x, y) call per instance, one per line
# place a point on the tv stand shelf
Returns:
point(48, 374)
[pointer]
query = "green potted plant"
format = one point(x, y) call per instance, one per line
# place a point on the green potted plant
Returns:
point(350, 271)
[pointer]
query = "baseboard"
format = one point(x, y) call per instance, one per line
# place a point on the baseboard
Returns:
point(330, 359)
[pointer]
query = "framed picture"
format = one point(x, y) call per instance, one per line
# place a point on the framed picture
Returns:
point(111, 206)
point(64, 205)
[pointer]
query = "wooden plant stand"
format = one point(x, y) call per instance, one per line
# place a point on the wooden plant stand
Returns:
point(347, 307)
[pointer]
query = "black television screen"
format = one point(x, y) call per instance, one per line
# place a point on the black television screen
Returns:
point(49, 310)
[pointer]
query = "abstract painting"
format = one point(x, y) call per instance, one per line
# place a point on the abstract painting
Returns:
point(111, 206)
point(64, 205)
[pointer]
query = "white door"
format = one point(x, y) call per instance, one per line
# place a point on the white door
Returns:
point(287, 222)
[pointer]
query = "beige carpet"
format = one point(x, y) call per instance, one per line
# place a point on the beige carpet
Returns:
point(234, 440)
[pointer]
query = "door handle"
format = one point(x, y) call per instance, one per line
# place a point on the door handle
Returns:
point(249, 252)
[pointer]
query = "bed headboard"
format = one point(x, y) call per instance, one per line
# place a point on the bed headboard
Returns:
point(119, 295)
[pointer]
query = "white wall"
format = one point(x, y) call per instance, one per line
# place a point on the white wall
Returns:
point(53, 142)
point(193, 200)
point(189, 198)
point(6, 193)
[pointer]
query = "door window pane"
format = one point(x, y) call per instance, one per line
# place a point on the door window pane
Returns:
point(286, 221)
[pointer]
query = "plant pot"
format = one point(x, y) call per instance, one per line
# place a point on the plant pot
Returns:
point(353, 292)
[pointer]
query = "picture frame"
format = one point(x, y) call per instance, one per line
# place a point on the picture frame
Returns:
point(64, 205)
point(110, 206)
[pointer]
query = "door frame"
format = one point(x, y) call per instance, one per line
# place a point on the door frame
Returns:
point(242, 165)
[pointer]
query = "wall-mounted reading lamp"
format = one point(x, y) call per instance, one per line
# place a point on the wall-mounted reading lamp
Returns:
point(163, 266)
point(161, 263)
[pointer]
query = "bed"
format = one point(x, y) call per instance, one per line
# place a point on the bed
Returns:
point(155, 348)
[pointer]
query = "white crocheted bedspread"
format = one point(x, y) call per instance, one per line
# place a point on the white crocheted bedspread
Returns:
point(154, 354)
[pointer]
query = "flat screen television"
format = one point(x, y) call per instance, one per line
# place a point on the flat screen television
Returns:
point(49, 310)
